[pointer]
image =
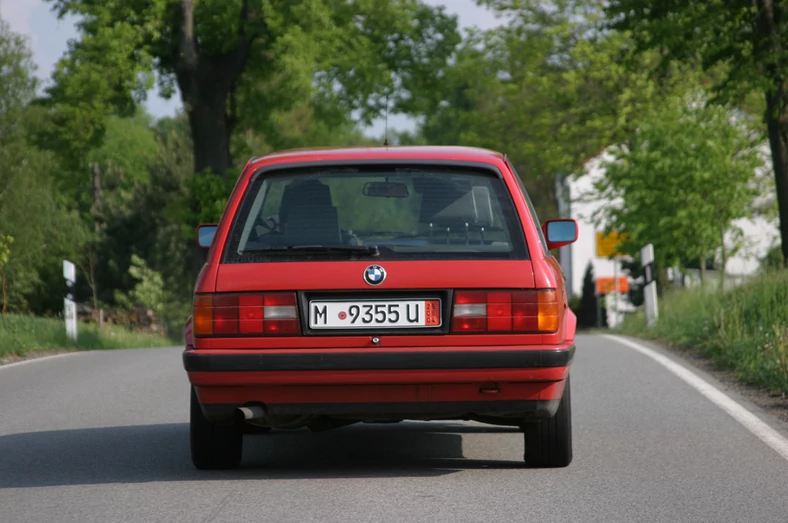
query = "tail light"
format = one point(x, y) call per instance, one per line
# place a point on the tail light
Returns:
point(505, 311)
point(271, 314)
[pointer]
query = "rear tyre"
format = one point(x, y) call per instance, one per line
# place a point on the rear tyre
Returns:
point(213, 446)
point(548, 443)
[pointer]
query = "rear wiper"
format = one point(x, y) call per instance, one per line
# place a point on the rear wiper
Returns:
point(368, 250)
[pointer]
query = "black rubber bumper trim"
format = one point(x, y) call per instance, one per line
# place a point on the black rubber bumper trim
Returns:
point(507, 408)
point(194, 361)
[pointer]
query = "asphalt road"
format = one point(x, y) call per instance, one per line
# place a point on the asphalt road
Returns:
point(103, 436)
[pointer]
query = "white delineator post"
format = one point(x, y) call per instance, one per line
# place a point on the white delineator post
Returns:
point(650, 287)
point(70, 306)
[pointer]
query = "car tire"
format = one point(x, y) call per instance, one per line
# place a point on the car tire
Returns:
point(548, 443)
point(213, 446)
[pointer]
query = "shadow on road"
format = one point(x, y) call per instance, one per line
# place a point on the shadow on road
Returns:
point(151, 453)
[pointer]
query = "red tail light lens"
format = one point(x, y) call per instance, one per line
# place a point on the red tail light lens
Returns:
point(499, 311)
point(273, 314)
point(225, 314)
point(533, 311)
point(250, 313)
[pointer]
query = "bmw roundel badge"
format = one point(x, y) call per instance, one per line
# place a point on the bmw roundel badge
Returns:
point(374, 274)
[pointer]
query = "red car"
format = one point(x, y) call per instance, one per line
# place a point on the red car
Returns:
point(379, 285)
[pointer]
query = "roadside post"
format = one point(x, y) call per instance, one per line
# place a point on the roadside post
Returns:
point(650, 287)
point(70, 306)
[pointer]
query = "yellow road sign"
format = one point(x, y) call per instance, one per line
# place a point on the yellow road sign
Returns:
point(607, 244)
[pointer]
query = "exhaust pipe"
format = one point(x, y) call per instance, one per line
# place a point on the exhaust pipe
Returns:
point(252, 412)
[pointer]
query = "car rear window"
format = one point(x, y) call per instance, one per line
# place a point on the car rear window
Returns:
point(378, 213)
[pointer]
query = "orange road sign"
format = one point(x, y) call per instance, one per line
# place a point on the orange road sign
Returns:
point(606, 285)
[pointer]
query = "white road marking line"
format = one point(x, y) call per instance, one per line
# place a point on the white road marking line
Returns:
point(40, 358)
point(746, 418)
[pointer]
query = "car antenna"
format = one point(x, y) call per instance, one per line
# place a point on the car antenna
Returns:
point(386, 137)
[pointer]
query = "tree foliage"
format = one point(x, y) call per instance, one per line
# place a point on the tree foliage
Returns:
point(549, 89)
point(680, 181)
point(745, 40)
point(120, 192)
point(32, 212)
point(148, 290)
point(236, 63)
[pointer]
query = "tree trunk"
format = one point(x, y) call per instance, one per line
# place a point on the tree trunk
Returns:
point(702, 261)
point(90, 274)
point(211, 130)
point(92, 262)
point(207, 83)
point(98, 206)
point(778, 143)
point(724, 257)
point(769, 20)
point(97, 196)
point(5, 295)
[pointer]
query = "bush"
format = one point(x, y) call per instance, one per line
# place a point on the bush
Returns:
point(20, 335)
point(744, 329)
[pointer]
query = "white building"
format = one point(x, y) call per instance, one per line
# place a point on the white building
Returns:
point(580, 202)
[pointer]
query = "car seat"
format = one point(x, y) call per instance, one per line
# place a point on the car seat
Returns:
point(308, 216)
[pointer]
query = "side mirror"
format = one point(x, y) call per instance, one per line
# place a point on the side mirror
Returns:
point(205, 235)
point(560, 232)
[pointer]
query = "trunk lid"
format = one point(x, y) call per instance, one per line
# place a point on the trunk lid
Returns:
point(349, 275)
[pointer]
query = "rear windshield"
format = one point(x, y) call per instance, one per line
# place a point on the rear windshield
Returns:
point(374, 213)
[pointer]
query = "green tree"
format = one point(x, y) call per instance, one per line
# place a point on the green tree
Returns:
point(680, 180)
point(773, 258)
point(148, 290)
point(548, 88)
point(117, 166)
point(31, 210)
point(744, 39)
point(586, 310)
point(237, 62)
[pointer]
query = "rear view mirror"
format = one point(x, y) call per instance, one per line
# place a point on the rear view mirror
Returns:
point(386, 190)
point(205, 235)
point(559, 232)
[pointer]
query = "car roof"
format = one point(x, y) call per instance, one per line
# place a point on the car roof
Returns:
point(406, 152)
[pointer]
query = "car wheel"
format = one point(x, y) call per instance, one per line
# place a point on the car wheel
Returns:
point(549, 442)
point(213, 446)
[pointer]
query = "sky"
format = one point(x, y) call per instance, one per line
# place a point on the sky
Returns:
point(49, 38)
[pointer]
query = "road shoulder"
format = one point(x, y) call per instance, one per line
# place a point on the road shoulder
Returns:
point(8, 359)
point(772, 409)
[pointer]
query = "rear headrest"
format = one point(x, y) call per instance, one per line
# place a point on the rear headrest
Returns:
point(312, 225)
point(309, 192)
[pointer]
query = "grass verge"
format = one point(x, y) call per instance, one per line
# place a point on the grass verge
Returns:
point(21, 336)
point(744, 329)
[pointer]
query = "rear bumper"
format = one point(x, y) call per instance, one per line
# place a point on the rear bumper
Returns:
point(515, 383)
point(358, 359)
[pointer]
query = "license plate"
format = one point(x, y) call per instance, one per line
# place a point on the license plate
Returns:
point(365, 314)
